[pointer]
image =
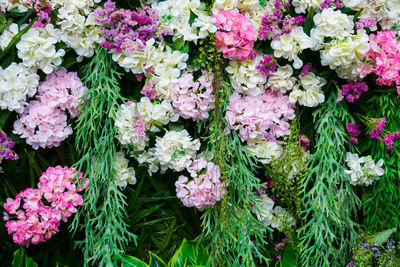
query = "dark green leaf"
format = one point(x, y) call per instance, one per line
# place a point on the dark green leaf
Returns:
point(289, 258)
point(129, 261)
point(19, 258)
point(155, 261)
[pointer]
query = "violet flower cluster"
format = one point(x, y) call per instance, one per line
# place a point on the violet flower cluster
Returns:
point(42, 9)
point(35, 214)
point(256, 117)
point(193, 99)
point(304, 142)
point(275, 24)
point(331, 3)
point(205, 189)
point(235, 36)
point(127, 30)
point(388, 139)
point(352, 91)
point(375, 133)
point(44, 121)
point(6, 145)
point(267, 66)
point(352, 129)
point(384, 58)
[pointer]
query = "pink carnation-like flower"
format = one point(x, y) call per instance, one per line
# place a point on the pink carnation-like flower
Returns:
point(262, 116)
point(384, 58)
point(42, 125)
point(235, 36)
point(62, 89)
point(205, 189)
point(30, 220)
point(193, 99)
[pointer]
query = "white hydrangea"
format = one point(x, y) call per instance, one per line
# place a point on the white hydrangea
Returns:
point(224, 5)
point(245, 5)
point(312, 94)
point(156, 114)
point(176, 150)
point(149, 158)
point(331, 23)
point(345, 55)
point(369, 10)
point(290, 45)
point(363, 171)
point(126, 133)
point(281, 79)
point(16, 84)
point(205, 24)
point(124, 175)
point(265, 150)
point(302, 6)
point(391, 14)
point(37, 49)
point(81, 33)
point(174, 15)
point(7, 5)
point(8, 34)
point(245, 77)
point(275, 217)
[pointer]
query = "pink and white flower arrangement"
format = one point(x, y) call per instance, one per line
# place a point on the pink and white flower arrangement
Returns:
point(35, 214)
point(204, 189)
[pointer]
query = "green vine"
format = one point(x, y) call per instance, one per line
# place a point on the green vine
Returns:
point(103, 211)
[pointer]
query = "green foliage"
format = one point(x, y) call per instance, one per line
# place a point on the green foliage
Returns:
point(22, 260)
point(382, 201)
point(328, 232)
point(103, 212)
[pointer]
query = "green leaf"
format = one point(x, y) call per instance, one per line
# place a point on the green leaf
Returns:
point(289, 258)
point(155, 261)
point(29, 262)
point(3, 19)
point(176, 126)
point(189, 252)
point(130, 261)
point(178, 43)
point(19, 258)
point(380, 238)
point(192, 17)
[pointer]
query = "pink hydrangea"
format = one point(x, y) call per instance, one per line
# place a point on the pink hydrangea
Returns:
point(263, 116)
point(205, 189)
point(235, 36)
point(193, 99)
point(62, 89)
point(35, 214)
point(42, 125)
point(384, 58)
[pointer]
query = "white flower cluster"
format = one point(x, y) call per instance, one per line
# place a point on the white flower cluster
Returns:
point(8, 34)
point(346, 56)
point(302, 6)
point(281, 79)
point(37, 49)
point(174, 15)
point(176, 150)
point(160, 64)
point(245, 77)
point(363, 171)
point(275, 217)
point(153, 115)
point(311, 95)
point(17, 82)
point(124, 175)
point(264, 150)
point(290, 45)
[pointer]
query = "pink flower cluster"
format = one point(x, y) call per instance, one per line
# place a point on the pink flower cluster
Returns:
point(388, 139)
point(352, 129)
point(44, 121)
point(352, 91)
point(331, 3)
point(374, 133)
point(262, 116)
point(140, 126)
point(6, 145)
point(369, 22)
point(205, 189)
point(43, 10)
point(384, 58)
point(304, 142)
point(193, 99)
point(35, 214)
point(125, 29)
point(275, 24)
point(306, 68)
point(267, 66)
point(148, 90)
point(235, 36)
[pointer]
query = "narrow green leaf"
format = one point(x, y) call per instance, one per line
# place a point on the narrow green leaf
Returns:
point(19, 258)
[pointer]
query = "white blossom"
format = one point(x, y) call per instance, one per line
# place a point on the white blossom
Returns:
point(364, 170)
point(124, 175)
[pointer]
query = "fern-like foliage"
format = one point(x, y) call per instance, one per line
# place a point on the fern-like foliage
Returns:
point(103, 211)
point(328, 233)
point(381, 208)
